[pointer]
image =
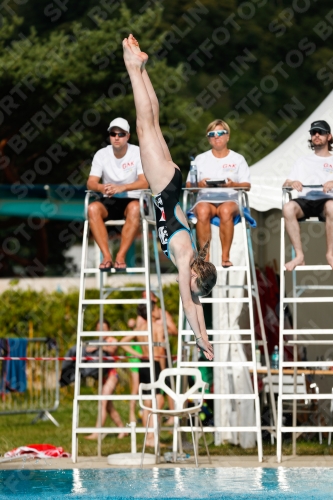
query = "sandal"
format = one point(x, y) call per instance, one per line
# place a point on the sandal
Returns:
point(228, 262)
point(107, 266)
point(120, 267)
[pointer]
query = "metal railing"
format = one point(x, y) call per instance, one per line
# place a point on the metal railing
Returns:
point(41, 395)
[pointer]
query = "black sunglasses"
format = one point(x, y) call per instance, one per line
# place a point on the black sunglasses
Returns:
point(119, 134)
point(317, 131)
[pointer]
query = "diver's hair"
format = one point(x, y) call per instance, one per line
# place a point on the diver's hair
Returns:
point(206, 271)
point(211, 126)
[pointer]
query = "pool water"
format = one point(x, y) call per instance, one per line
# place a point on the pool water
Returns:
point(168, 484)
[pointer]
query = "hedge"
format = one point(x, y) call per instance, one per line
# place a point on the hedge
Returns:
point(54, 315)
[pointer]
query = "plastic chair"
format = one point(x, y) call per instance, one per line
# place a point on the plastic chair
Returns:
point(180, 401)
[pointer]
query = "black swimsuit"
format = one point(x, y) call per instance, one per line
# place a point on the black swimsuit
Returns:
point(167, 222)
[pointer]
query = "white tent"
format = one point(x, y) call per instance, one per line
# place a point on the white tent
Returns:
point(268, 174)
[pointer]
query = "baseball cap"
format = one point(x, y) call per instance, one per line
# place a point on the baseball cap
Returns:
point(321, 125)
point(120, 123)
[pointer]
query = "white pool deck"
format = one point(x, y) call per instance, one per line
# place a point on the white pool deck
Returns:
point(222, 461)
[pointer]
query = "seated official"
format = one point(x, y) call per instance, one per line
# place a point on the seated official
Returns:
point(223, 164)
point(315, 169)
point(119, 166)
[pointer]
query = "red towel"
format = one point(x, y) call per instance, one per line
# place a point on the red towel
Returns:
point(38, 451)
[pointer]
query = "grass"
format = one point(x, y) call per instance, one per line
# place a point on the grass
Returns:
point(17, 430)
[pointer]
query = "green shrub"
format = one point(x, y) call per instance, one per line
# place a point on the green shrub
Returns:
point(55, 314)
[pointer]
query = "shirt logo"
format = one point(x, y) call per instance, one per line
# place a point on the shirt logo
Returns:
point(328, 168)
point(229, 165)
point(128, 164)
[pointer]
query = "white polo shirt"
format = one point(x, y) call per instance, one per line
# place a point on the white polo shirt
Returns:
point(233, 166)
point(118, 171)
point(313, 170)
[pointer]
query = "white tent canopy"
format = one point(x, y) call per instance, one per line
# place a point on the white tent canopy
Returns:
point(268, 174)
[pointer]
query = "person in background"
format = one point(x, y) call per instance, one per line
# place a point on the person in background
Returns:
point(135, 379)
point(119, 166)
point(171, 326)
point(220, 163)
point(109, 386)
point(159, 353)
point(315, 169)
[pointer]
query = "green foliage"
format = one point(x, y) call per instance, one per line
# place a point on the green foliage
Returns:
point(55, 314)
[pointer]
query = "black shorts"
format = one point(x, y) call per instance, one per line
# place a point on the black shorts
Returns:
point(116, 207)
point(312, 208)
point(144, 376)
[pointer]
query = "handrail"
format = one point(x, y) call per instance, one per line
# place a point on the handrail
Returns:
point(89, 193)
point(147, 196)
point(286, 191)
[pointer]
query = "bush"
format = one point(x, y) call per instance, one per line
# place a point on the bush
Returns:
point(55, 314)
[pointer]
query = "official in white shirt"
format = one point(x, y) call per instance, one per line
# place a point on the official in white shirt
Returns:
point(116, 172)
point(312, 170)
point(223, 164)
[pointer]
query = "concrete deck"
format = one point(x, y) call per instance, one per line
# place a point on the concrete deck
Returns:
point(223, 461)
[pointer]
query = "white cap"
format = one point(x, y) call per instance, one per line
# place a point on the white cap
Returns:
point(120, 123)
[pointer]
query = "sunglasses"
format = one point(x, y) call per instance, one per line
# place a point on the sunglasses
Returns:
point(217, 133)
point(119, 134)
point(320, 132)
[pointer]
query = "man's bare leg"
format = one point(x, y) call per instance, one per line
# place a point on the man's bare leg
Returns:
point(328, 211)
point(226, 212)
point(129, 232)
point(292, 212)
point(157, 169)
point(97, 213)
point(135, 381)
point(107, 390)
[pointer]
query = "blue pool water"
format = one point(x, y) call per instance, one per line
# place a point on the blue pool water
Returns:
point(168, 484)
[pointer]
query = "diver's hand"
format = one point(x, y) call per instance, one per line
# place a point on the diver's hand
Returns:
point(206, 347)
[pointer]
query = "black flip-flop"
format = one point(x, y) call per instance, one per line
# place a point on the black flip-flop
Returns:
point(226, 267)
point(107, 266)
point(120, 269)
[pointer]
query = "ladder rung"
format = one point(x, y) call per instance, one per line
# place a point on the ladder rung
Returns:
point(310, 342)
point(221, 332)
point(304, 428)
point(220, 364)
point(110, 430)
point(309, 331)
point(113, 301)
point(312, 268)
point(305, 396)
point(314, 287)
point(120, 333)
point(114, 365)
point(112, 397)
point(213, 342)
point(122, 343)
point(129, 270)
point(307, 299)
point(231, 268)
point(224, 396)
point(220, 429)
point(226, 300)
